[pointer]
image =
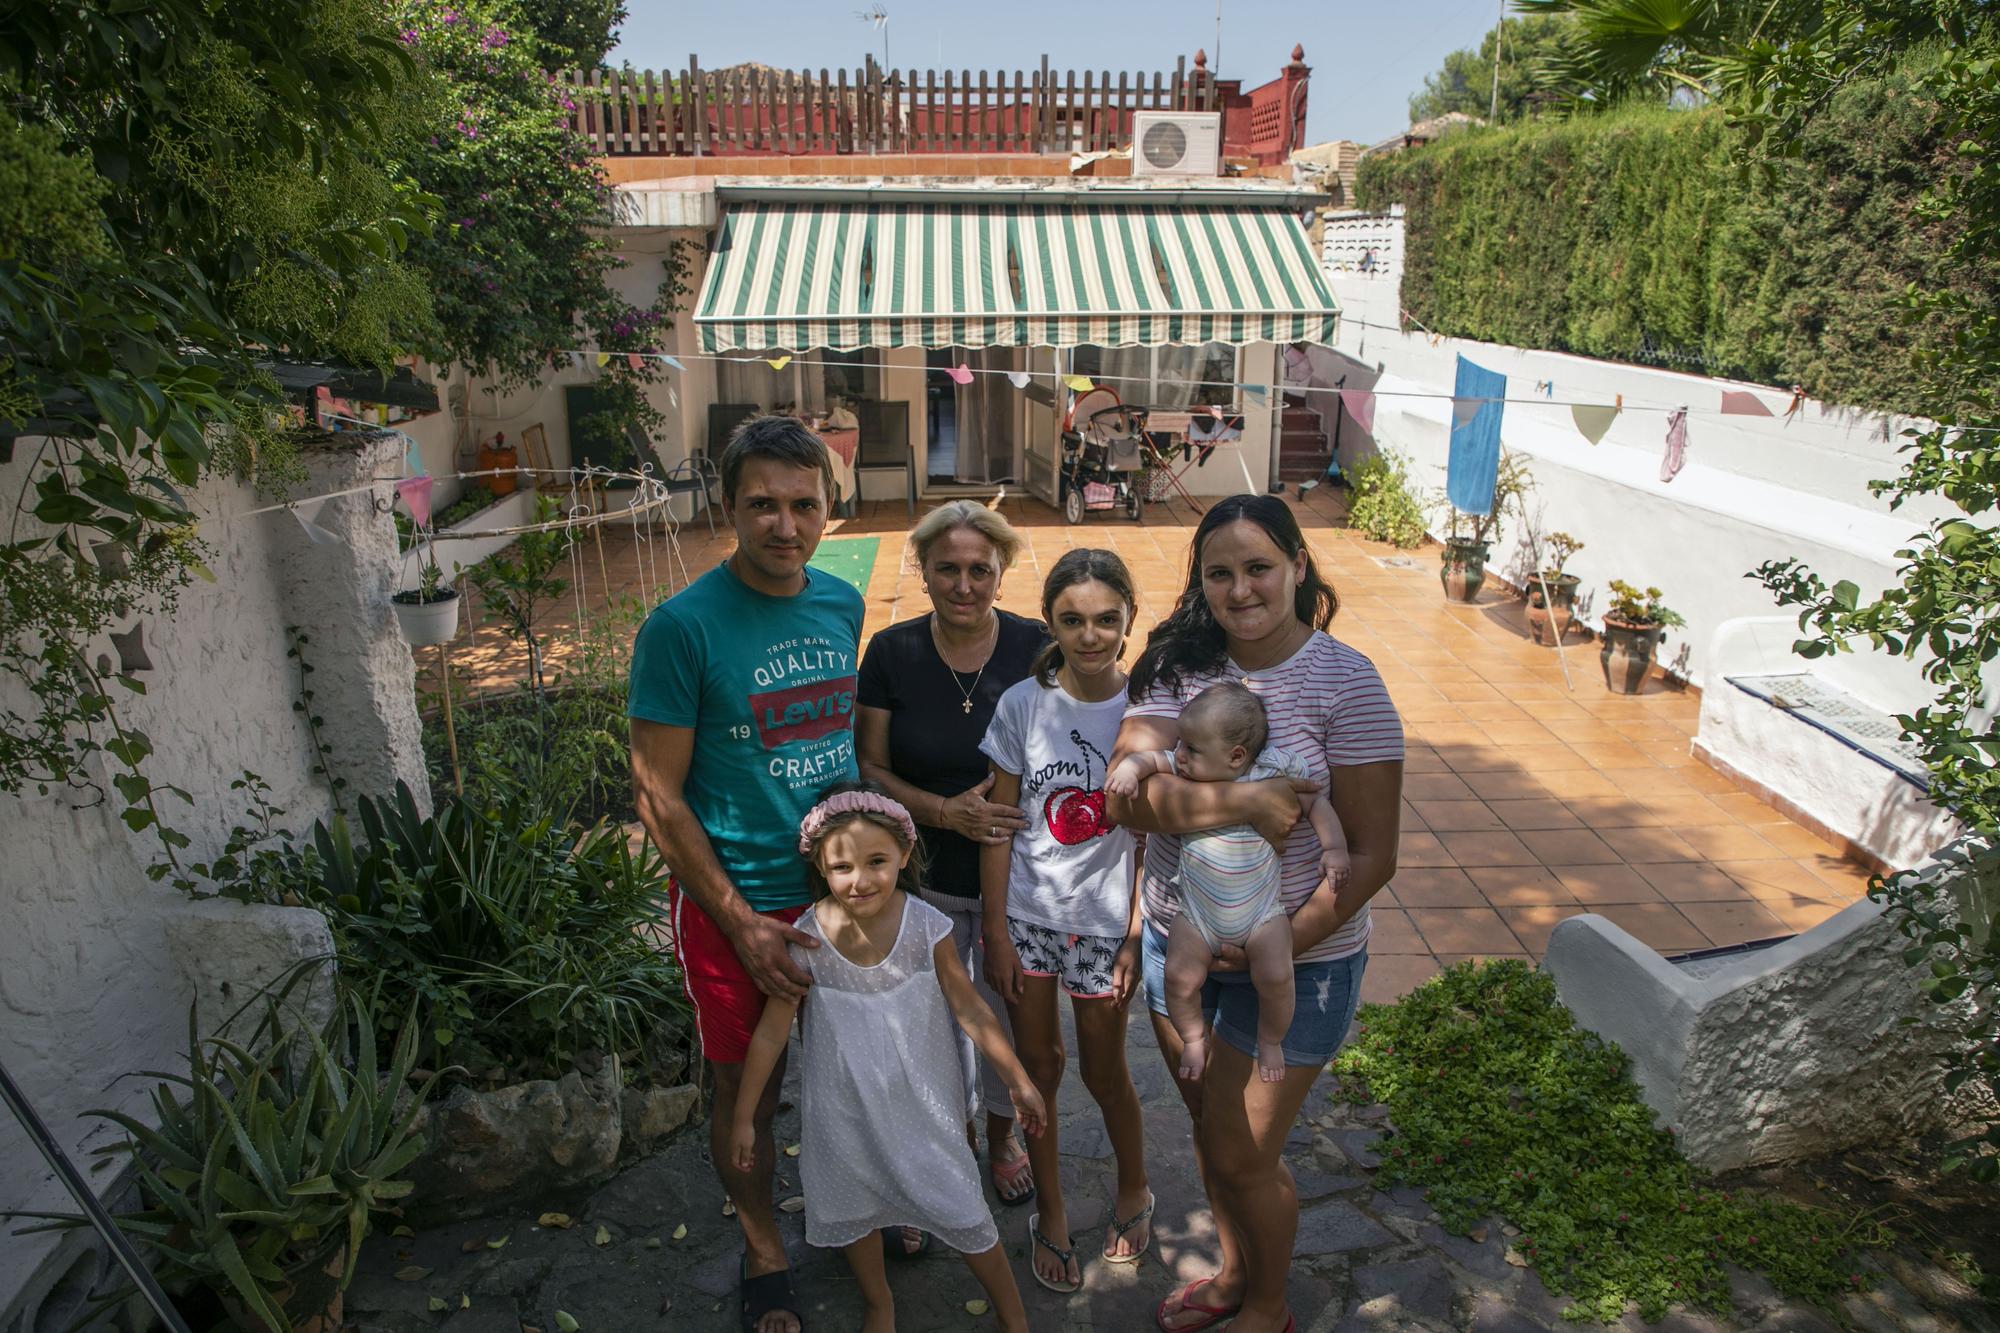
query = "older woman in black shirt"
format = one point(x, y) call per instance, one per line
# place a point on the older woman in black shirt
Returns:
point(926, 696)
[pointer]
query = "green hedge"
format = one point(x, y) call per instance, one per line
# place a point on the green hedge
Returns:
point(1637, 235)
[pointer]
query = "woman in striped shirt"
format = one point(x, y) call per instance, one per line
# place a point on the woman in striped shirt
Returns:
point(1255, 610)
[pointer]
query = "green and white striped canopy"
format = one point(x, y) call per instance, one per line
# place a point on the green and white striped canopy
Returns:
point(792, 276)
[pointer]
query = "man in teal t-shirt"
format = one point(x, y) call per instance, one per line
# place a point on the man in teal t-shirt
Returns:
point(742, 707)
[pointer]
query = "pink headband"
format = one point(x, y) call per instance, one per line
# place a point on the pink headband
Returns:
point(854, 803)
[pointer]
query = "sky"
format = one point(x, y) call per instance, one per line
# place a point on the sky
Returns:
point(1366, 58)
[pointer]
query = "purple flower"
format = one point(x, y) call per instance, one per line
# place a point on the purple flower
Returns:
point(408, 36)
point(568, 105)
point(483, 196)
point(450, 16)
point(494, 37)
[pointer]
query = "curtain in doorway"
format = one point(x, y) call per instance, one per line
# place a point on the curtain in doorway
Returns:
point(986, 417)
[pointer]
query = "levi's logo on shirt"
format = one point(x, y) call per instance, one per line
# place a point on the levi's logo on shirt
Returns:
point(803, 712)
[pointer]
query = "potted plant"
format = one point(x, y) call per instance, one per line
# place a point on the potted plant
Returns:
point(1551, 592)
point(1632, 630)
point(266, 1170)
point(428, 613)
point(1469, 539)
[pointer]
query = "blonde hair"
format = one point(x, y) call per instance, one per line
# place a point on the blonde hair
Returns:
point(954, 514)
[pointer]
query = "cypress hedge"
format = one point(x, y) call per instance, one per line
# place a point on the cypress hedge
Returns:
point(1638, 235)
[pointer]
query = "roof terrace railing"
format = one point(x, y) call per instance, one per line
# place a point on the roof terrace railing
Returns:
point(752, 110)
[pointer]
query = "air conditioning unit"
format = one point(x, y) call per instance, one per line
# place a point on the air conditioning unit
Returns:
point(1176, 143)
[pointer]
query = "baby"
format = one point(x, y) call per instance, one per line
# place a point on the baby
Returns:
point(1229, 877)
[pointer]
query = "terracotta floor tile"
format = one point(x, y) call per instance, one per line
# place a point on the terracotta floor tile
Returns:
point(1575, 846)
point(1423, 759)
point(1729, 842)
point(1675, 757)
point(1576, 782)
point(1464, 930)
point(1469, 691)
point(1653, 844)
point(1652, 784)
point(1505, 785)
point(1435, 886)
point(1456, 816)
point(1847, 876)
point(1607, 812)
point(1795, 841)
point(1445, 734)
point(1512, 758)
point(1392, 933)
point(1520, 733)
point(1487, 849)
point(1543, 813)
point(1782, 879)
point(1597, 884)
point(1692, 881)
point(1417, 849)
point(1685, 811)
point(1614, 754)
point(1659, 926)
point(1801, 914)
point(1390, 977)
point(1709, 782)
point(1488, 713)
point(1533, 925)
point(1436, 787)
point(1453, 959)
point(1508, 887)
point(1734, 923)
point(1745, 808)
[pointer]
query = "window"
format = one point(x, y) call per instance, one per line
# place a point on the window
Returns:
point(1174, 377)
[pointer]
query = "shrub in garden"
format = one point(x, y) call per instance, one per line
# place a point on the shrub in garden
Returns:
point(1501, 1104)
point(1382, 508)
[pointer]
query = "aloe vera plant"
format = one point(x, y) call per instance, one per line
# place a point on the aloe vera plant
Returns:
point(268, 1160)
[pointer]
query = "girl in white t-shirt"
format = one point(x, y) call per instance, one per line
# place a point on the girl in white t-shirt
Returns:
point(1061, 909)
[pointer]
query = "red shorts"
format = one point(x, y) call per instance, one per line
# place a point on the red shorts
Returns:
point(727, 1003)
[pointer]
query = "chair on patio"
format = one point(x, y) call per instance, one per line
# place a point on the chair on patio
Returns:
point(723, 419)
point(885, 444)
point(693, 475)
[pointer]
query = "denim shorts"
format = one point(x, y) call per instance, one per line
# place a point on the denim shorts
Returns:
point(1328, 994)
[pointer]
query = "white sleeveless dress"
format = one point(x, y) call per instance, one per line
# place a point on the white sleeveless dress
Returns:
point(883, 1118)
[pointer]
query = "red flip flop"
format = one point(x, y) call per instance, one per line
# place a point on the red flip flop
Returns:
point(1215, 1313)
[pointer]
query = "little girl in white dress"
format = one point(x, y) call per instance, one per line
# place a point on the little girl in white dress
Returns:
point(884, 1110)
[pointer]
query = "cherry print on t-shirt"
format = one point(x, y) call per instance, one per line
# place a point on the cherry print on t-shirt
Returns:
point(1076, 814)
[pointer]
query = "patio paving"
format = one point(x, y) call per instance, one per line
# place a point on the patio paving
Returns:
point(1526, 801)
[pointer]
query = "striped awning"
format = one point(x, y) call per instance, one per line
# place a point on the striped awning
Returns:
point(792, 276)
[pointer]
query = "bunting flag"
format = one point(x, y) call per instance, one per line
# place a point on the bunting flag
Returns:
point(674, 361)
point(960, 374)
point(576, 360)
point(1592, 420)
point(315, 534)
point(416, 493)
point(1742, 403)
point(1360, 405)
point(1215, 410)
point(1677, 443)
point(413, 459)
point(778, 362)
point(1473, 464)
point(1019, 378)
point(1078, 383)
point(604, 358)
point(635, 361)
point(1253, 394)
point(1463, 410)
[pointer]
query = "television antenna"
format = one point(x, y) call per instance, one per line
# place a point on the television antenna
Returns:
point(878, 16)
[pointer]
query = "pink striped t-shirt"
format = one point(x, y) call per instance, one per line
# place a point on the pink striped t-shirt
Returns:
point(1328, 706)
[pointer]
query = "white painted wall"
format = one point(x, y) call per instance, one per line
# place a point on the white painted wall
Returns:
point(98, 965)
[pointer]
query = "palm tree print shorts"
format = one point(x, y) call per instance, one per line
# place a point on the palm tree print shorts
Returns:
point(1081, 964)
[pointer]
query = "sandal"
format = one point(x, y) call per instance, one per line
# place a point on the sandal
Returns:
point(1120, 1229)
point(1068, 1257)
point(1215, 1313)
point(1017, 1174)
point(765, 1294)
point(896, 1244)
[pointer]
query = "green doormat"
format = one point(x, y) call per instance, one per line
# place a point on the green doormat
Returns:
point(850, 558)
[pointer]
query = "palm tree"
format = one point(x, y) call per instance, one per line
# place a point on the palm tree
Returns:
point(1701, 49)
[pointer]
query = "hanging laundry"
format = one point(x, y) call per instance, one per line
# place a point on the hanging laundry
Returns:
point(1360, 405)
point(1592, 419)
point(1677, 441)
point(1214, 430)
point(1473, 464)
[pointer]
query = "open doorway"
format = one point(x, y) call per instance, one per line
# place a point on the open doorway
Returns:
point(940, 416)
point(973, 430)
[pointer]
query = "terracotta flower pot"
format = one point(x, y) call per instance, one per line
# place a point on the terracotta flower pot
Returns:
point(1550, 618)
point(427, 623)
point(1462, 569)
point(491, 459)
point(1628, 654)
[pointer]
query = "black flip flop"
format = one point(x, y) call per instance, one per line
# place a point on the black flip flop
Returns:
point(765, 1294)
point(894, 1250)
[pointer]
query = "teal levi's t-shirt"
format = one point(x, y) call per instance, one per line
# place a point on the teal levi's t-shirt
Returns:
point(767, 686)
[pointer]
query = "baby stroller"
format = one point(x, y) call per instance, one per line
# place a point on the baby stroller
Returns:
point(1103, 444)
